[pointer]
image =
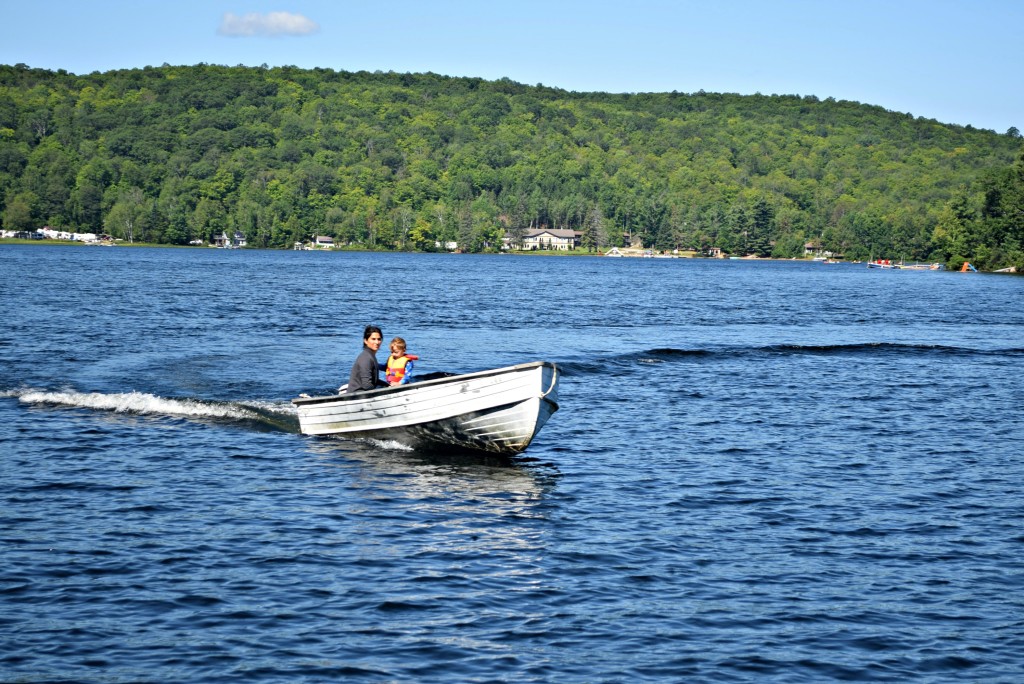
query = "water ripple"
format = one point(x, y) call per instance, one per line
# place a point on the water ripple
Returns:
point(761, 472)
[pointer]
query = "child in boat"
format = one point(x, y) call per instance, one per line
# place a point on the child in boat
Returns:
point(399, 368)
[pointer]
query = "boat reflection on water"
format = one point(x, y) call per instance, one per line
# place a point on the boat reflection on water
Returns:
point(435, 476)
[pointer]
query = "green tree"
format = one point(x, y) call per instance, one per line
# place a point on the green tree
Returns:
point(761, 227)
point(20, 212)
point(125, 217)
point(87, 197)
point(375, 158)
point(207, 221)
point(594, 233)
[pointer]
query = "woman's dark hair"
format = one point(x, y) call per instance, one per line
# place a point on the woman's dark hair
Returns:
point(370, 329)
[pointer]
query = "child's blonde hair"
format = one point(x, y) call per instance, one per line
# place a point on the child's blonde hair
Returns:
point(397, 342)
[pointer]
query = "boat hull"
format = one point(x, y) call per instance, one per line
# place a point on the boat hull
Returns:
point(920, 267)
point(498, 411)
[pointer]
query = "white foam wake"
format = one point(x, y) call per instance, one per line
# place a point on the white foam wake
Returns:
point(148, 404)
point(389, 444)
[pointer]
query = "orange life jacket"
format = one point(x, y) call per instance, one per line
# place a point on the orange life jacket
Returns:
point(396, 367)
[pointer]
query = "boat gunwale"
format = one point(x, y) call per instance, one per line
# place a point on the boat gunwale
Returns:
point(384, 391)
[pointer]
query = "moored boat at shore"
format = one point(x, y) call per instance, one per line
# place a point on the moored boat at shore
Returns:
point(901, 266)
point(920, 267)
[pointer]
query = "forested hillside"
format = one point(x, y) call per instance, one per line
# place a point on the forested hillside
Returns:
point(401, 161)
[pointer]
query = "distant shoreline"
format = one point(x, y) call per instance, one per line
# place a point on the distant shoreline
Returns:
point(552, 253)
point(75, 243)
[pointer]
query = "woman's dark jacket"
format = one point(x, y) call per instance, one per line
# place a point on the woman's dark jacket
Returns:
point(365, 373)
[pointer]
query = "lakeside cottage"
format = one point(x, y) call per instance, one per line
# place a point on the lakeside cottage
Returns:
point(551, 239)
point(233, 242)
point(324, 242)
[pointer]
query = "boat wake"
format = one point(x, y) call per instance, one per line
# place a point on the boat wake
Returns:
point(267, 415)
point(855, 349)
point(668, 354)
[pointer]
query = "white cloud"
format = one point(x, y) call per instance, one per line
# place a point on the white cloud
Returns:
point(270, 24)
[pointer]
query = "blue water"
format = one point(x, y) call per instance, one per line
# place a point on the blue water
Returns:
point(768, 471)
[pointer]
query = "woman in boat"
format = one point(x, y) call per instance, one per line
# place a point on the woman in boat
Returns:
point(365, 374)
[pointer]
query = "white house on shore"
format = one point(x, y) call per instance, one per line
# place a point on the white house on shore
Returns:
point(550, 239)
point(235, 241)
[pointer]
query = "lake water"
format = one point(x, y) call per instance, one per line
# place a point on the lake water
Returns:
point(761, 471)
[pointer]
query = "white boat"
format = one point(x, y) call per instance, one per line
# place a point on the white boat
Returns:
point(498, 411)
point(920, 267)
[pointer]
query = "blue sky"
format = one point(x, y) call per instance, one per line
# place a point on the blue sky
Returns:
point(958, 61)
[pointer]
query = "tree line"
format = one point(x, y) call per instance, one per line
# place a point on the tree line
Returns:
point(408, 161)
